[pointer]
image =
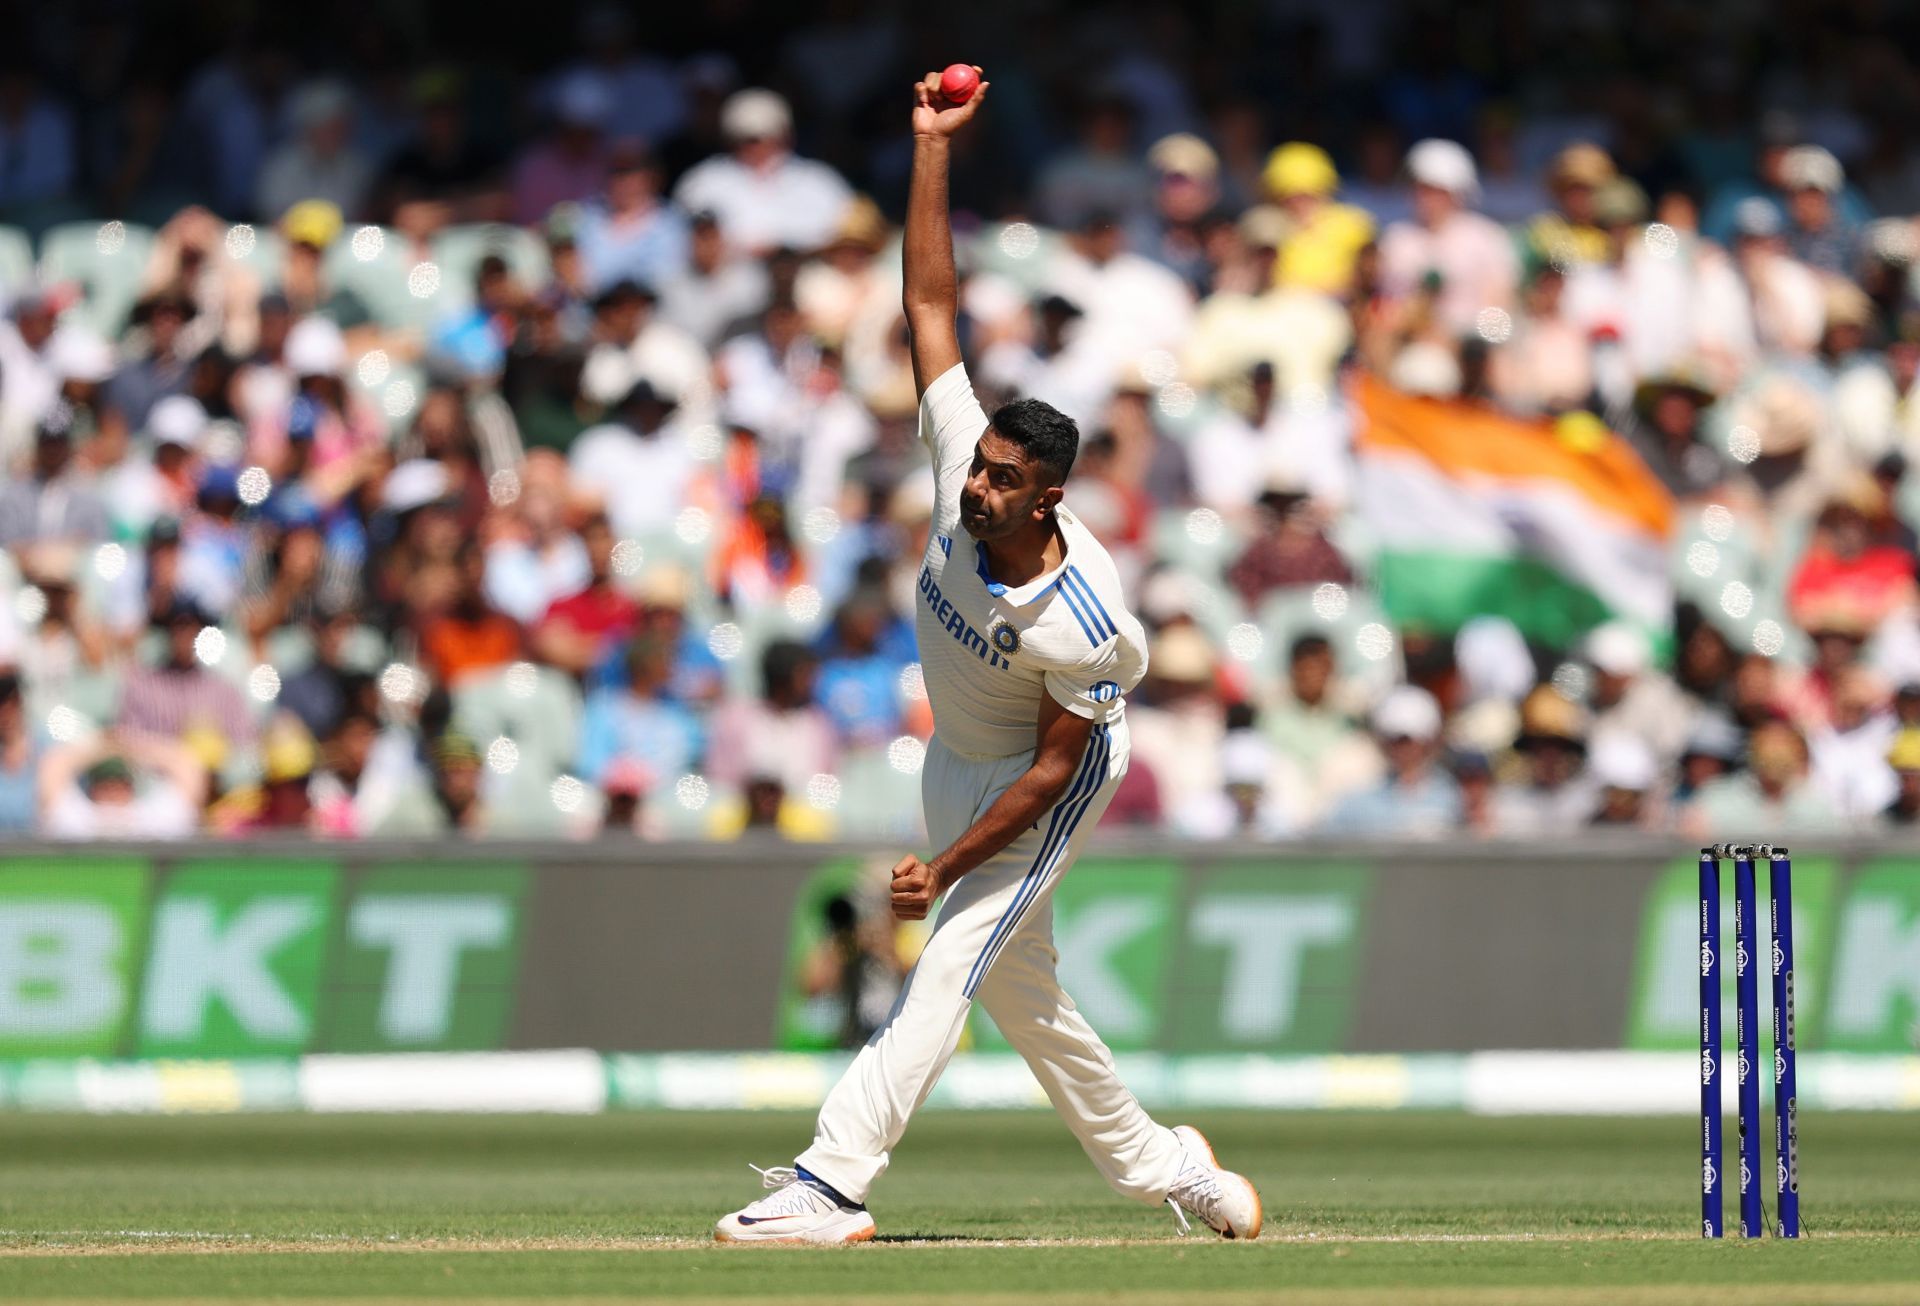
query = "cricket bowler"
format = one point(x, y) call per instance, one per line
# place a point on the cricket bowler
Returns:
point(1028, 650)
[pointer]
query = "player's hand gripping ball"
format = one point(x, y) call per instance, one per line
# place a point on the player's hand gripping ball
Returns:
point(958, 82)
point(945, 102)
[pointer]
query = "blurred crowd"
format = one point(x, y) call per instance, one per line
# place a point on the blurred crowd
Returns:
point(395, 449)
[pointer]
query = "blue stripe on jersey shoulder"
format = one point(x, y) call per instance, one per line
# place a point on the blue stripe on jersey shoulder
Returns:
point(994, 587)
point(1102, 620)
point(1080, 614)
point(946, 545)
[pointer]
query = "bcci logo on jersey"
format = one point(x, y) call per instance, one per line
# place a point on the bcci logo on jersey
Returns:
point(1006, 640)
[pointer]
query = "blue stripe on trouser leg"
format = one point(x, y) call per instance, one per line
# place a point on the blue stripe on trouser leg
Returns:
point(865, 1114)
point(1089, 769)
point(1085, 776)
point(1073, 819)
point(1066, 816)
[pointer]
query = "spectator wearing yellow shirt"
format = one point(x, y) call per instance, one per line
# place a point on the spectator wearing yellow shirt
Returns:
point(764, 809)
point(1323, 237)
point(1572, 233)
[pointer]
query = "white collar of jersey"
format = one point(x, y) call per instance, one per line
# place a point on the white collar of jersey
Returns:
point(1039, 585)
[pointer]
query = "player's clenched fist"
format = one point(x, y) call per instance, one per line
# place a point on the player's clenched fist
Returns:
point(915, 886)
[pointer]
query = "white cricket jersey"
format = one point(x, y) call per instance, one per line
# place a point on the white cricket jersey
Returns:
point(989, 651)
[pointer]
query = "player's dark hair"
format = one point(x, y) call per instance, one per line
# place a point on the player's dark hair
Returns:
point(1047, 434)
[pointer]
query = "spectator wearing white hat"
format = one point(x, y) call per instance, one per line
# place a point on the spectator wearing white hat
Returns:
point(1416, 798)
point(1631, 697)
point(320, 162)
point(321, 428)
point(1247, 804)
point(141, 490)
point(1625, 775)
point(1819, 233)
point(1789, 304)
point(765, 196)
point(1469, 255)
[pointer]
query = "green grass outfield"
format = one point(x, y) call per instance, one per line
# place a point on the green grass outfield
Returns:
point(1391, 1209)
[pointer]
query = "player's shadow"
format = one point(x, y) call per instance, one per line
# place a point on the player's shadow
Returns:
point(925, 1238)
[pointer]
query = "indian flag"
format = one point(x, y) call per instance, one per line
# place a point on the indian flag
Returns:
point(1473, 512)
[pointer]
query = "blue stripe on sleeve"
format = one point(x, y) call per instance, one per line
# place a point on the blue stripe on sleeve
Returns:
point(1102, 620)
point(1080, 614)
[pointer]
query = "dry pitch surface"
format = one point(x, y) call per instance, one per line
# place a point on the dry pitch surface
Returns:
point(988, 1207)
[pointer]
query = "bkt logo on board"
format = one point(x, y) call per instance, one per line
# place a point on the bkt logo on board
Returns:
point(234, 957)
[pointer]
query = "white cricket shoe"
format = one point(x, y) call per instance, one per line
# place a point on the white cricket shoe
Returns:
point(799, 1211)
point(1226, 1202)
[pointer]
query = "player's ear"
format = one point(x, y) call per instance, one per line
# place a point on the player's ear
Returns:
point(1049, 500)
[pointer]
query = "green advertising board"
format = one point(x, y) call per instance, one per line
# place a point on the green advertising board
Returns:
point(234, 958)
point(1664, 1013)
point(1277, 952)
point(1875, 1005)
point(1245, 956)
point(247, 957)
point(1272, 950)
point(428, 958)
point(72, 935)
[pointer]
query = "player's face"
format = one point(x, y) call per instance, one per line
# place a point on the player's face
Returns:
point(1006, 490)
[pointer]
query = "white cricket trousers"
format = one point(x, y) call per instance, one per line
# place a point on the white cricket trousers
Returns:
point(994, 941)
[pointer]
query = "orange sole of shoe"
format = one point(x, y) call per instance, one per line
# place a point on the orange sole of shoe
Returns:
point(1259, 1209)
point(865, 1235)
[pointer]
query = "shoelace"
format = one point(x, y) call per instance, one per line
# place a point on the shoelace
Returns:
point(794, 1197)
point(1200, 1188)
